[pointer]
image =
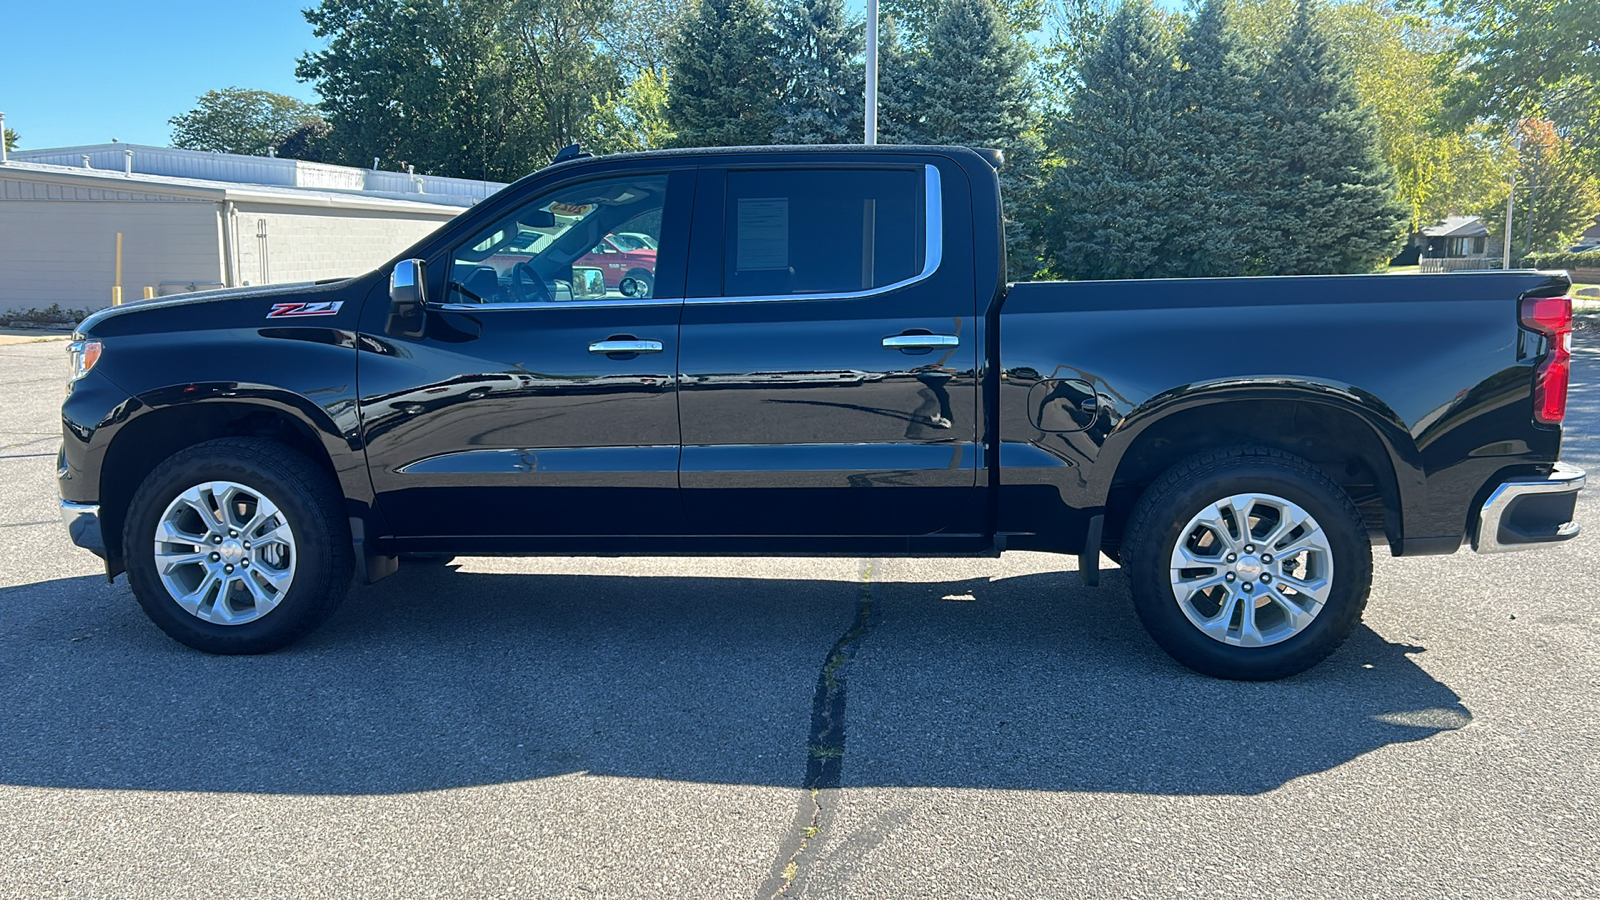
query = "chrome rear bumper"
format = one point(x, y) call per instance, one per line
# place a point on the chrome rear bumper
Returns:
point(1528, 512)
point(83, 525)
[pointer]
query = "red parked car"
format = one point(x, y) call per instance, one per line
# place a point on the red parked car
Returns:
point(616, 261)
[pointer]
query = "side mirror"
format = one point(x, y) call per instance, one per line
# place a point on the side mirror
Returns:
point(407, 294)
point(587, 283)
point(407, 283)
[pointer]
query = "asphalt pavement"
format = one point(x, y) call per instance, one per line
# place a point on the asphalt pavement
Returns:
point(744, 728)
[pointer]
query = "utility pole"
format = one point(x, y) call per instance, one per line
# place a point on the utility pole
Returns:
point(1516, 162)
point(872, 73)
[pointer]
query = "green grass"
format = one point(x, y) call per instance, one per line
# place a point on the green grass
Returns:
point(1403, 270)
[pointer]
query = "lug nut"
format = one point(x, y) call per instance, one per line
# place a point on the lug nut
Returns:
point(229, 570)
point(247, 545)
point(1233, 557)
point(216, 539)
point(1249, 548)
point(1228, 577)
point(1265, 578)
point(1265, 557)
point(232, 533)
point(245, 563)
point(1248, 587)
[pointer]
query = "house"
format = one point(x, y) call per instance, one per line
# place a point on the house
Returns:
point(1457, 244)
point(79, 221)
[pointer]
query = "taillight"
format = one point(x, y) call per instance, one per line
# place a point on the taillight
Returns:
point(1551, 317)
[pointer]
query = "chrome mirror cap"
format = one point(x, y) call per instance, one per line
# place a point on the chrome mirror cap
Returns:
point(407, 282)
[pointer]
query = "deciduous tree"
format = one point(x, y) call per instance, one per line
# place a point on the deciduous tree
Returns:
point(1556, 197)
point(474, 88)
point(1513, 58)
point(237, 120)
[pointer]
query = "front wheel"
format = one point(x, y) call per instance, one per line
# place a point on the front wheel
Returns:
point(237, 545)
point(1247, 563)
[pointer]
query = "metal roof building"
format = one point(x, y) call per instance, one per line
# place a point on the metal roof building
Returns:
point(190, 220)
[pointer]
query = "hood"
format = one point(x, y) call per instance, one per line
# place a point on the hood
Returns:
point(299, 288)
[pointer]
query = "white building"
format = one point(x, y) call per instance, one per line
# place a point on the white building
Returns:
point(190, 220)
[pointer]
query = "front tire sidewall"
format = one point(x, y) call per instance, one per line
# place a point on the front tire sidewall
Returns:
point(1158, 609)
point(318, 584)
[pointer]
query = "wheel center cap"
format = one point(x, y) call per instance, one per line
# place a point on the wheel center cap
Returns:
point(1248, 566)
point(231, 551)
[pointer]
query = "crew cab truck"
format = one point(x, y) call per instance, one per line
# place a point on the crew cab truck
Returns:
point(828, 361)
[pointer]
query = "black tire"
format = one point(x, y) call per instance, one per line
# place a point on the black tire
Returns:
point(311, 504)
point(1159, 521)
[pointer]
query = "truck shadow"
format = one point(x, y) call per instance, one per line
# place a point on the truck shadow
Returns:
point(439, 679)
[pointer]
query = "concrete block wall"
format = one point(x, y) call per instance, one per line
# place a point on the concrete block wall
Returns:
point(306, 244)
point(64, 251)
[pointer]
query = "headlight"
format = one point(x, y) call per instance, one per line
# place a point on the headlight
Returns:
point(81, 357)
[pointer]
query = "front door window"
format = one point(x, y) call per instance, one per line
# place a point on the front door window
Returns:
point(562, 247)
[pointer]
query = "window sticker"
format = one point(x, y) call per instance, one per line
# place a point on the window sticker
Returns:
point(763, 243)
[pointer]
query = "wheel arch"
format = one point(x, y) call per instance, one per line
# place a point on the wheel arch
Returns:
point(158, 431)
point(1355, 439)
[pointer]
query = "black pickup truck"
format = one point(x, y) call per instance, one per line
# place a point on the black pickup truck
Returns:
point(819, 355)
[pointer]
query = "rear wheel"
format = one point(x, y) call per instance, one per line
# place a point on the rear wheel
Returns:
point(1247, 563)
point(237, 545)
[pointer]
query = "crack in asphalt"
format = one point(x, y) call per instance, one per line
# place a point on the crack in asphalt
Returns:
point(824, 746)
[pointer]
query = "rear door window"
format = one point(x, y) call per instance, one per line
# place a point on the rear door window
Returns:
point(822, 231)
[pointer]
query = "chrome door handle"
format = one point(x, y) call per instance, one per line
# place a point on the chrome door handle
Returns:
point(921, 341)
point(625, 347)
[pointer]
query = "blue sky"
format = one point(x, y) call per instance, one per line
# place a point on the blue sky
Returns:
point(86, 71)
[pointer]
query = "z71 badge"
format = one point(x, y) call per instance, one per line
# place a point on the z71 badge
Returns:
point(296, 310)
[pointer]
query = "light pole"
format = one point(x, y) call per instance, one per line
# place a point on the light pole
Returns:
point(872, 73)
point(1516, 163)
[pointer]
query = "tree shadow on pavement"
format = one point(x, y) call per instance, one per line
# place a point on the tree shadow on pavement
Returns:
point(439, 678)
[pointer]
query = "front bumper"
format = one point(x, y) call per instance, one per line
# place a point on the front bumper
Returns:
point(1528, 512)
point(83, 525)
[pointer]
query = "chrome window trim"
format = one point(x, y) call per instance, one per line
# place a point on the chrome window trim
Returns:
point(553, 304)
point(933, 243)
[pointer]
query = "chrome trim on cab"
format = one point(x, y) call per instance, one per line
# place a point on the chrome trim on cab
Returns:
point(83, 525)
point(550, 304)
point(933, 244)
point(1564, 479)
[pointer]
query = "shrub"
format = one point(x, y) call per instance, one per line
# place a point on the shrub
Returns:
point(1587, 260)
point(50, 315)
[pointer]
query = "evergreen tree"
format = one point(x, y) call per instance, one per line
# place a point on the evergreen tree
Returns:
point(1334, 204)
point(724, 87)
point(1221, 142)
point(971, 89)
point(897, 87)
point(821, 77)
point(1115, 189)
